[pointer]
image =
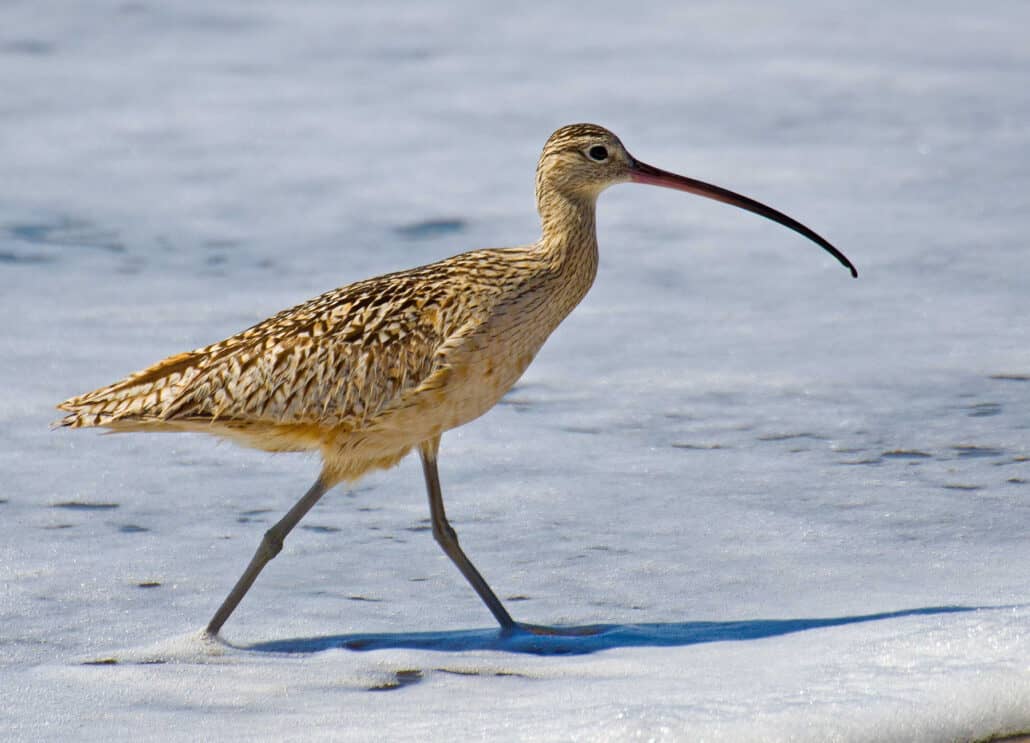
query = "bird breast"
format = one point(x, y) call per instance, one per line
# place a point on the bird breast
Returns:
point(484, 358)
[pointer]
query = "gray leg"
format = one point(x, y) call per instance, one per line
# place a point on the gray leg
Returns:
point(270, 546)
point(446, 538)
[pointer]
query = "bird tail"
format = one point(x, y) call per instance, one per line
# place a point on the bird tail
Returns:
point(135, 400)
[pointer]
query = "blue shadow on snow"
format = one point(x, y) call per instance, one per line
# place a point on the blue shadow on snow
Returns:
point(581, 640)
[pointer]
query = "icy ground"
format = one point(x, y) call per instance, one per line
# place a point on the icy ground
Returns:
point(797, 504)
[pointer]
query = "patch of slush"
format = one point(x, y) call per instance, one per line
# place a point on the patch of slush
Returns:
point(919, 678)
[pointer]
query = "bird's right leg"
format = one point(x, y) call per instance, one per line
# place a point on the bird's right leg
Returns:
point(270, 546)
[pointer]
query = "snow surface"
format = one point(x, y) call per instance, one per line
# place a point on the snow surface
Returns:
point(794, 505)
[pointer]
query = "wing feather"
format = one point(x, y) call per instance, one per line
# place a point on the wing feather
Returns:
point(339, 358)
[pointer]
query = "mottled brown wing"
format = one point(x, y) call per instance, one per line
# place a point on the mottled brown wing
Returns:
point(341, 356)
point(345, 365)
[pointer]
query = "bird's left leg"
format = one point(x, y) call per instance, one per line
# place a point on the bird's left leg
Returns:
point(448, 540)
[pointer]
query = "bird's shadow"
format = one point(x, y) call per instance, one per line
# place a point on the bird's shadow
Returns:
point(581, 640)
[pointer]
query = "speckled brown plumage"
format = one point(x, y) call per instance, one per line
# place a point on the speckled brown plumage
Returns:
point(367, 372)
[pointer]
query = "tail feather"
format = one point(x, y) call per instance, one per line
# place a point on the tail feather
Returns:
point(140, 396)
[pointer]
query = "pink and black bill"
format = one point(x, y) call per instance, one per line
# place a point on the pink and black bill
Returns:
point(644, 173)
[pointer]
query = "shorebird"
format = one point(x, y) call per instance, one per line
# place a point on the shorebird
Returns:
point(366, 373)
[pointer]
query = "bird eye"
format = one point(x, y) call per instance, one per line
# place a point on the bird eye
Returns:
point(597, 153)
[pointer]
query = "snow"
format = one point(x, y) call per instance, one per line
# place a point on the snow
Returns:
point(787, 505)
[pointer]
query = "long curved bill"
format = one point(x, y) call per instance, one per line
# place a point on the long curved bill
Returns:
point(644, 173)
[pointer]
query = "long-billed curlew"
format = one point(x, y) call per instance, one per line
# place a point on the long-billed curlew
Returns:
point(365, 373)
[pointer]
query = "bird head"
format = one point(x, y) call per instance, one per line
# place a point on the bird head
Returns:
point(579, 161)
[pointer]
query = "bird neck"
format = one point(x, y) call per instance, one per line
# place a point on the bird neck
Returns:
point(569, 240)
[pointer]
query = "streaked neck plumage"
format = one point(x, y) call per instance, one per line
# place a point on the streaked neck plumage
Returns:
point(569, 241)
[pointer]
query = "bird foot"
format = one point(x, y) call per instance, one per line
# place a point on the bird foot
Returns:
point(538, 629)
